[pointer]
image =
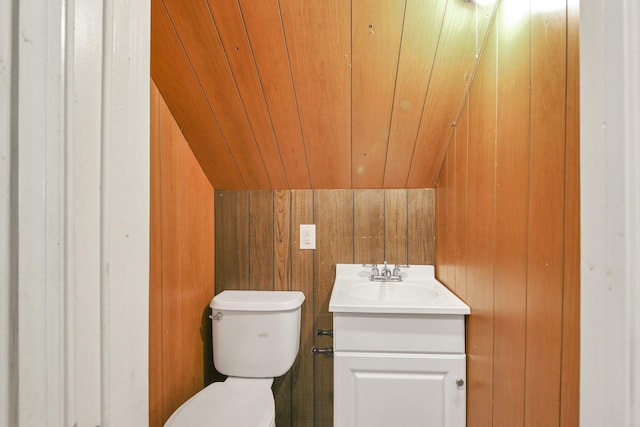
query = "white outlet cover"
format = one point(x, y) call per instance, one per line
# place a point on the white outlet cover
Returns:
point(307, 236)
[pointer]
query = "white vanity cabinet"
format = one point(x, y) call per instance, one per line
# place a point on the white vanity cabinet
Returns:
point(399, 370)
point(398, 347)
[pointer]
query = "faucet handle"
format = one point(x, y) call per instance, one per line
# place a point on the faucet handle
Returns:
point(374, 270)
point(396, 270)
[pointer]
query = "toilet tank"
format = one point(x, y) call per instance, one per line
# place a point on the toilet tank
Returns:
point(256, 334)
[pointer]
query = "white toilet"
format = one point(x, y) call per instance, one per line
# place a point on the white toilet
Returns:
point(256, 336)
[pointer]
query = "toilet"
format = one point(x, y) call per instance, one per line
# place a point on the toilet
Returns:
point(256, 336)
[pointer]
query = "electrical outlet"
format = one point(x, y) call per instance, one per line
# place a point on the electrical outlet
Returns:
point(307, 236)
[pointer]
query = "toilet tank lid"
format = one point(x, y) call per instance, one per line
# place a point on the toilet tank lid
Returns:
point(243, 300)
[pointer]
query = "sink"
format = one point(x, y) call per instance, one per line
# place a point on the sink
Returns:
point(389, 291)
point(419, 292)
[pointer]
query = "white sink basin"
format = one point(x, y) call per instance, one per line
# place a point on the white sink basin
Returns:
point(389, 291)
point(418, 292)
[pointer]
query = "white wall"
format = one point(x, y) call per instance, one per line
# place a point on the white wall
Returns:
point(610, 214)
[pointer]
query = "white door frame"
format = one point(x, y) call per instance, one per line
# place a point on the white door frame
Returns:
point(610, 212)
point(7, 244)
point(74, 208)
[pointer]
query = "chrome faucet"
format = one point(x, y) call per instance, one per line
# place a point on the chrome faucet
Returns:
point(386, 274)
point(385, 271)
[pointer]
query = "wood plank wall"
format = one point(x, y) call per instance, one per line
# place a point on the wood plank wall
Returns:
point(256, 245)
point(181, 268)
point(508, 221)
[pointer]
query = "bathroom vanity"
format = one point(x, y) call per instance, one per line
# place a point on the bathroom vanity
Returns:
point(399, 352)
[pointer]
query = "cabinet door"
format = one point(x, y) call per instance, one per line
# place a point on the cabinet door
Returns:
point(400, 390)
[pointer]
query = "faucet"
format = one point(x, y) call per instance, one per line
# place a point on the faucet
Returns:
point(385, 271)
point(386, 274)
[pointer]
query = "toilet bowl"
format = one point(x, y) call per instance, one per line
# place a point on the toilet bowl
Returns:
point(232, 403)
point(256, 337)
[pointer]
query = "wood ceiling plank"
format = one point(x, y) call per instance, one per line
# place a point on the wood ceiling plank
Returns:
point(318, 36)
point(376, 33)
point(463, 34)
point(195, 27)
point(230, 24)
point(172, 73)
point(266, 35)
point(422, 24)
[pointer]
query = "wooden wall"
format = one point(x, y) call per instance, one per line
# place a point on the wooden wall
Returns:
point(508, 221)
point(257, 247)
point(181, 270)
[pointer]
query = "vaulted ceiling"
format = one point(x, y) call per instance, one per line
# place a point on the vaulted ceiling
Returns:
point(295, 94)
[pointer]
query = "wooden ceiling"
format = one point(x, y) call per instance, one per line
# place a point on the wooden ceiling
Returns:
point(295, 94)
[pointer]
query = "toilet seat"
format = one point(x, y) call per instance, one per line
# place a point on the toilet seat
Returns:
point(236, 402)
